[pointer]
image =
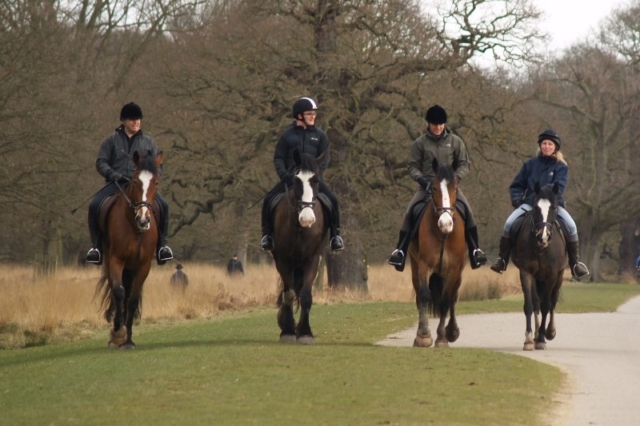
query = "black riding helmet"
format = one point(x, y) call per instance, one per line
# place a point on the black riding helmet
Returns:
point(552, 135)
point(131, 111)
point(302, 105)
point(436, 115)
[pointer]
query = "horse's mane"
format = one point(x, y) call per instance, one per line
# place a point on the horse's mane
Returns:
point(149, 163)
point(308, 163)
point(445, 171)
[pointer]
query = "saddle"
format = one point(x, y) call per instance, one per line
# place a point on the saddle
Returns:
point(517, 224)
point(107, 204)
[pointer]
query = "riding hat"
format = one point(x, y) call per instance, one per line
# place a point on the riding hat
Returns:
point(131, 111)
point(436, 115)
point(552, 135)
point(302, 105)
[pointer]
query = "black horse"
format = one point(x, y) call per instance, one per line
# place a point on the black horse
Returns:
point(299, 232)
point(540, 255)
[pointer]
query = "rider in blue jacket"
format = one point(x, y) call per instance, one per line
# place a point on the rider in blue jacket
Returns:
point(546, 168)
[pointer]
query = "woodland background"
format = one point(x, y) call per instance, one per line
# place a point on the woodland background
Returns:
point(216, 81)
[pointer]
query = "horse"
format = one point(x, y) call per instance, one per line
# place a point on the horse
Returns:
point(541, 259)
point(438, 257)
point(300, 230)
point(129, 247)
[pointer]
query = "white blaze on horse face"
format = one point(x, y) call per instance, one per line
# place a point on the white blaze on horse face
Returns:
point(544, 206)
point(143, 214)
point(306, 216)
point(445, 223)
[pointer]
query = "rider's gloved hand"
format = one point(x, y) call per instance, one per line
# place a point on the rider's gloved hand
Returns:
point(288, 180)
point(424, 184)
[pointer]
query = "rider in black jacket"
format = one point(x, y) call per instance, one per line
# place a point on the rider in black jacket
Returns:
point(309, 139)
point(115, 164)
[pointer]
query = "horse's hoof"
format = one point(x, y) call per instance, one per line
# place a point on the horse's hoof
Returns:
point(119, 337)
point(288, 338)
point(112, 345)
point(550, 334)
point(528, 346)
point(442, 343)
point(453, 336)
point(128, 346)
point(541, 345)
point(305, 340)
point(422, 342)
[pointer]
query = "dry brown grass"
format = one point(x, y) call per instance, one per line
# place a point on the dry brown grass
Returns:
point(34, 310)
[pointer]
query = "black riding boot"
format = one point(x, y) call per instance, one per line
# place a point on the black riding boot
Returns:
point(164, 252)
point(398, 256)
point(578, 269)
point(93, 255)
point(500, 265)
point(266, 243)
point(337, 243)
point(477, 257)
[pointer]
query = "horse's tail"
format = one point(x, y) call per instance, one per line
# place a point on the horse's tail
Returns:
point(436, 287)
point(103, 287)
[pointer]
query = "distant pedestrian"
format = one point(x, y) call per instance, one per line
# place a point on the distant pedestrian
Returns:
point(638, 263)
point(179, 279)
point(234, 267)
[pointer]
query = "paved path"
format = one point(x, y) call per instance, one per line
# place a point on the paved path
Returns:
point(601, 353)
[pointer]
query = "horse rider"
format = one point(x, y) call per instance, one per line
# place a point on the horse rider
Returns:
point(304, 135)
point(115, 164)
point(437, 143)
point(547, 168)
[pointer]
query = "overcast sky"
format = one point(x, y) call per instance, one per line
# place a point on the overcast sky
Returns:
point(568, 21)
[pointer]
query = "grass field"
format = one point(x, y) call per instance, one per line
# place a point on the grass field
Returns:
point(210, 355)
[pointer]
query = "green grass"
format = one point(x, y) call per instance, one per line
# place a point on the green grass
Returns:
point(233, 371)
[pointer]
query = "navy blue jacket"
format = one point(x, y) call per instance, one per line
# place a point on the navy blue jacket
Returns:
point(311, 140)
point(544, 170)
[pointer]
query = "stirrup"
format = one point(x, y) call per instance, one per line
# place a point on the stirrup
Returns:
point(479, 257)
point(164, 254)
point(396, 258)
point(337, 244)
point(94, 256)
point(499, 266)
point(583, 269)
point(266, 243)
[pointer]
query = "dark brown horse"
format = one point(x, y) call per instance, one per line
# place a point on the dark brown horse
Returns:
point(299, 233)
point(129, 246)
point(540, 255)
point(438, 256)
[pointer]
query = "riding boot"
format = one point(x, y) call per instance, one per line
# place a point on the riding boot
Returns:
point(397, 258)
point(477, 257)
point(93, 255)
point(578, 269)
point(500, 265)
point(337, 243)
point(164, 251)
point(266, 243)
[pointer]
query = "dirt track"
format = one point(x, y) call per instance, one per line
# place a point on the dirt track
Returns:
point(600, 352)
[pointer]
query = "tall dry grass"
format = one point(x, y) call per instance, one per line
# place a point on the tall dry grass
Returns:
point(36, 310)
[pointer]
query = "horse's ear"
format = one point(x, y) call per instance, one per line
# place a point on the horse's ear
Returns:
point(136, 158)
point(536, 187)
point(159, 159)
point(556, 188)
point(297, 157)
point(320, 159)
point(434, 165)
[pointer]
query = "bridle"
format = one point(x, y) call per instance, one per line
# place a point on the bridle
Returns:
point(133, 206)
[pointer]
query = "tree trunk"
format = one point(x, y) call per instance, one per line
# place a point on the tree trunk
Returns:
point(629, 246)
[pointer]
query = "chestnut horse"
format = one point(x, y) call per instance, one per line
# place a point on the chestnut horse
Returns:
point(129, 248)
point(299, 233)
point(438, 256)
point(540, 255)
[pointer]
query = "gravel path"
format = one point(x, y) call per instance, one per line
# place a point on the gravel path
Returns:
point(600, 352)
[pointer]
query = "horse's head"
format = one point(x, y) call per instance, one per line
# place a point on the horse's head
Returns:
point(306, 186)
point(545, 212)
point(445, 187)
point(142, 189)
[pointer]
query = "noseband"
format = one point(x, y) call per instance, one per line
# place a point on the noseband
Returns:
point(133, 206)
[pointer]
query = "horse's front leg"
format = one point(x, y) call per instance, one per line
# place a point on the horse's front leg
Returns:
point(118, 332)
point(303, 331)
point(545, 308)
point(452, 330)
point(526, 281)
point(423, 295)
point(134, 287)
point(555, 294)
point(286, 320)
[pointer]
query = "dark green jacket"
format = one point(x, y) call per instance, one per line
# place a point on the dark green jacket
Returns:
point(447, 149)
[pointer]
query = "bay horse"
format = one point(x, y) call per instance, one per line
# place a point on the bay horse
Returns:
point(438, 256)
point(299, 233)
point(539, 252)
point(129, 247)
